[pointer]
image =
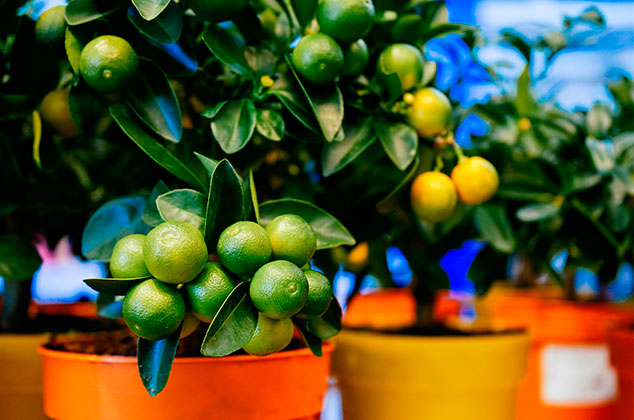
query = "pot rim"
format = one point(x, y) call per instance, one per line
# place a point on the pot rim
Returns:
point(490, 334)
point(327, 348)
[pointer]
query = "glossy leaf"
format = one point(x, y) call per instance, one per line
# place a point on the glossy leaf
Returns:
point(132, 127)
point(289, 94)
point(109, 306)
point(602, 153)
point(154, 360)
point(150, 9)
point(112, 286)
point(304, 10)
point(83, 11)
point(400, 142)
point(329, 324)
point(254, 197)
point(18, 258)
point(183, 206)
point(151, 215)
point(312, 341)
point(111, 222)
point(153, 100)
point(330, 232)
point(536, 212)
point(233, 326)
point(166, 28)
point(270, 124)
point(225, 202)
point(208, 164)
point(213, 111)
point(524, 101)
point(493, 224)
point(224, 46)
point(234, 124)
point(73, 47)
point(37, 138)
point(337, 155)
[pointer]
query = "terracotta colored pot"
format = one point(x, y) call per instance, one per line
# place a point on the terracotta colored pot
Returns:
point(78, 309)
point(390, 376)
point(569, 375)
point(282, 386)
point(21, 377)
point(621, 342)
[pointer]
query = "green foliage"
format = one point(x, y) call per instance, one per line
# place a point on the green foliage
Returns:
point(18, 258)
point(154, 359)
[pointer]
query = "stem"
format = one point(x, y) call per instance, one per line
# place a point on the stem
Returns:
point(15, 304)
point(458, 151)
point(439, 164)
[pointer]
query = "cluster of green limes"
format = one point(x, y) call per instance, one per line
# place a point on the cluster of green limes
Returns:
point(186, 287)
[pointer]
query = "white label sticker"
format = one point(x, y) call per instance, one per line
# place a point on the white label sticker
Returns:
point(577, 375)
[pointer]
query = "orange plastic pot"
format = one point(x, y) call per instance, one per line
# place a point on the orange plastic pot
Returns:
point(621, 342)
point(77, 309)
point(569, 375)
point(283, 386)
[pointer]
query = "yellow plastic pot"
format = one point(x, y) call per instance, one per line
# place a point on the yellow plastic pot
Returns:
point(21, 377)
point(390, 376)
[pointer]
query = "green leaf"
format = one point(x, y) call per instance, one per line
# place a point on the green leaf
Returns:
point(86, 107)
point(536, 212)
point(224, 46)
point(582, 182)
point(111, 222)
point(150, 9)
point(400, 142)
point(110, 306)
point(208, 164)
point(153, 100)
point(388, 203)
point(83, 11)
point(329, 324)
point(254, 197)
point(330, 232)
point(599, 120)
point(154, 359)
point(225, 202)
point(19, 259)
point(493, 224)
point(183, 206)
point(524, 101)
point(130, 125)
point(112, 286)
point(234, 124)
point(151, 215)
point(213, 111)
point(289, 94)
point(233, 326)
point(270, 124)
point(602, 154)
point(593, 15)
point(326, 101)
point(312, 341)
point(73, 48)
point(335, 156)
point(304, 10)
point(166, 28)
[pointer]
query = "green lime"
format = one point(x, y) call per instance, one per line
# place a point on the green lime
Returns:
point(108, 64)
point(318, 58)
point(345, 20)
point(279, 289)
point(190, 323)
point(50, 28)
point(208, 291)
point(217, 10)
point(153, 310)
point(127, 260)
point(406, 61)
point(175, 252)
point(270, 336)
point(292, 239)
point(319, 295)
point(355, 58)
point(55, 111)
point(244, 247)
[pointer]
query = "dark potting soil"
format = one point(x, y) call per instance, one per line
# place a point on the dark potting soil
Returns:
point(123, 342)
point(440, 330)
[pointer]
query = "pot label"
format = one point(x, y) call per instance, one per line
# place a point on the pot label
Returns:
point(574, 375)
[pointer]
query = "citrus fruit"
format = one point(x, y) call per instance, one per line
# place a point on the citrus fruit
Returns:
point(345, 20)
point(55, 111)
point(292, 239)
point(217, 10)
point(406, 61)
point(430, 113)
point(433, 196)
point(190, 323)
point(355, 58)
point(358, 257)
point(318, 58)
point(270, 336)
point(476, 180)
point(319, 295)
point(50, 28)
point(206, 293)
point(175, 252)
point(244, 247)
point(108, 64)
point(153, 310)
point(279, 289)
point(127, 261)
